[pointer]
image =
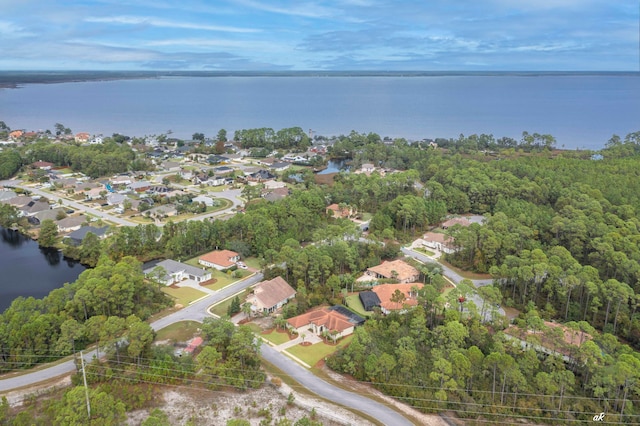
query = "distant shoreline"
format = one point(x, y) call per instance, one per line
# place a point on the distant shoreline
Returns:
point(17, 79)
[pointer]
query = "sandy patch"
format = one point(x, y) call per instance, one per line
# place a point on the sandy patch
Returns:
point(207, 407)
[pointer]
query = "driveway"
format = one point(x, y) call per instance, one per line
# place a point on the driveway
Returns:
point(456, 278)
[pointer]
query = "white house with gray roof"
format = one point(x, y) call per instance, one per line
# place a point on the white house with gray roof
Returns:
point(169, 272)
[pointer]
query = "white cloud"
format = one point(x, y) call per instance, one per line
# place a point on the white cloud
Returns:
point(10, 30)
point(306, 10)
point(157, 22)
point(197, 43)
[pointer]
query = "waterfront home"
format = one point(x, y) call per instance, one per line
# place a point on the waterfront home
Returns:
point(76, 237)
point(71, 223)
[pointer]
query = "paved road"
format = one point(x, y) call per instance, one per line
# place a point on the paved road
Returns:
point(232, 195)
point(194, 312)
point(198, 312)
point(303, 376)
point(457, 278)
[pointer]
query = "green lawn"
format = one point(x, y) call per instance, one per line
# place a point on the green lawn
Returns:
point(354, 303)
point(221, 308)
point(184, 295)
point(314, 353)
point(252, 262)
point(178, 332)
point(425, 251)
point(276, 337)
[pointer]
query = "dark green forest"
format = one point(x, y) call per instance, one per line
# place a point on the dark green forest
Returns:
point(561, 239)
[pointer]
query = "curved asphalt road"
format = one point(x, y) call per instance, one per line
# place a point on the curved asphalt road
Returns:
point(303, 376)
point(198, 312)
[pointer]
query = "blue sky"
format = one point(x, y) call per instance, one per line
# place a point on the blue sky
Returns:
point(430, 35)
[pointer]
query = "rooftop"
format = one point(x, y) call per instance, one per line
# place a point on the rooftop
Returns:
point(396, 268)
point(220, 257)
point(271, 292)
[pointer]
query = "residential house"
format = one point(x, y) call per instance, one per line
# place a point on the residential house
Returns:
point(121, 180)
point(71, 223)
point(186, 174)
point(438, 241)
point(16, 134)
point(280, 166)
point(396, 269)
point(208, 201)
point(19, 201)
point(82, 137)
point(169, 272)
point(274, 184)
point(171, 166)
point(43, 215)
point(320, 321)
point(223, 170)
point(76, 237)
point(261, 176)
point(269, 296)
point(139, 186)
point(165, 210)
point(367, 168)
point(94, 193)
point(34, 207)
point(564, 342)
point(115, 199)
point(219, 259)
point(387, 295)
point(340, 212)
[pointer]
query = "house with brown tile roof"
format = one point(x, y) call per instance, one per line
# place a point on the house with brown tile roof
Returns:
point(396, 269)
point(340, 212)
point(385, 293)
point(269, 296)
point(219, 259)
point(321, 320)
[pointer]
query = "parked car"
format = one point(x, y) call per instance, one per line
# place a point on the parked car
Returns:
point(241, 265)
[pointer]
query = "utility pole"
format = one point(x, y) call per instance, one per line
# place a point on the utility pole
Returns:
point(86, 389)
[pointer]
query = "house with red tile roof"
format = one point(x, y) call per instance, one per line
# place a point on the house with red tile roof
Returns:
point(16, 134)
point(219, 259)
point(269, 296)
point(82, 137)
point(388, 299)
point(396, 269)
point(193, 345)
point(321, 320)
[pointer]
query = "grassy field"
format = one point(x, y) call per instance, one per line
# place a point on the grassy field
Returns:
point(184, 295)
point(221, 308)
point(178, 332)
point(276, 337)
point(354, 303)
point(425, 251)
point(252, 262)
point(465, 274)
point(314, 353)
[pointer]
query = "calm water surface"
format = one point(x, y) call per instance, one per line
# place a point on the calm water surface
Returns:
point(581, 111)
point(28, 270)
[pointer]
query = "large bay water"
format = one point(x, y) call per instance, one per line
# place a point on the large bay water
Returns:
point(581, 111)
point(28, 270)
